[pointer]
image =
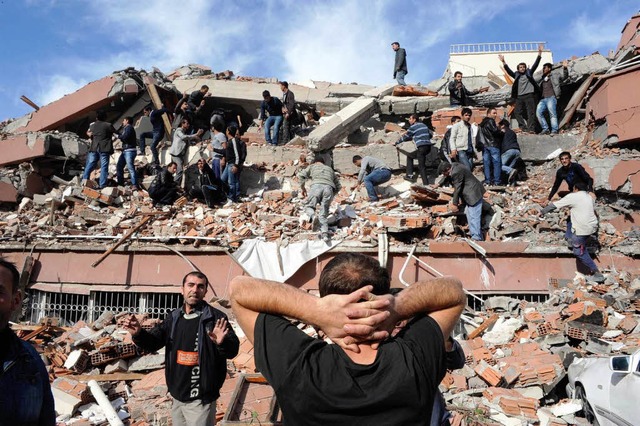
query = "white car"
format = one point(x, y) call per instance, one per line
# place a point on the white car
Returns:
point(608, 387)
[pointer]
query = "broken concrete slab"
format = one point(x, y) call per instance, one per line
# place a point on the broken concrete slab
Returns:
point(8, 193)
point(341, 124)
point(538, 147)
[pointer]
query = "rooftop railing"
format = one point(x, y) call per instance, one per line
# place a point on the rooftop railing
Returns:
point(510, 46)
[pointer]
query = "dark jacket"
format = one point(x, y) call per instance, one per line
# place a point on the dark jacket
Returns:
point(571, 174)
point(466, 185)
point(230, 154)
point(273, 107)
point(194, 180)
point(509, 141)
point(101, 133)
point(400, 62)
point(128, 137)
point(25, 392)
point(212, 358)
point(164, 179)
point(445, 149)
point(489, 135)
point(458, 96)
point(289, 101)
point(156, 120)
point(528, 73)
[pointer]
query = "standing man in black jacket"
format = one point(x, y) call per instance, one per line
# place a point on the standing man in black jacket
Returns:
point(525, 91)
point(400, 64)
point(198, 342)
point(128, 139)
point(288, 111)
point(101, 148)
point(235, 156)
point(489, 138)
point(155, 117)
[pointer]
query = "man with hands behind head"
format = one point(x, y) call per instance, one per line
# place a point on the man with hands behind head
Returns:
point(198, 343)
point(365, 377)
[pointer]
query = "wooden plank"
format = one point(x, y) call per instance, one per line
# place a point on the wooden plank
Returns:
point(126, 236)
point(483, 327)
point(112, 377)
point(157, 103)
point(575, 100)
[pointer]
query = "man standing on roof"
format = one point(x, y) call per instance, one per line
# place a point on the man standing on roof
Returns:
point(490, 139)
point(400, 64)
point(273, 107)
point(324, 185)
point(525, 91)
point(362, 379)
point(198, 342)
point(288, 111)
point(460, 145)
point(373, 172)
point(550, 89)
point(128, 139)
point(180, 145)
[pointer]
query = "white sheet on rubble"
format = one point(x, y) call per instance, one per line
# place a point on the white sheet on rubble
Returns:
point(260, 258)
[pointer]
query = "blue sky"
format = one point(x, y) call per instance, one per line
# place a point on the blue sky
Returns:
point(53, 47)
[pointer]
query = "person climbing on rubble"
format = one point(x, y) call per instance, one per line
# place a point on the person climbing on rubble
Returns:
point(180, 145)
point(128, 155)
point(469, 188)
point(458, 94)
point(235, 156)
point(273, 107)
point(425, 152)
point(510, 151)
point(25, 392)
point(198, 342)
point(101, 148)
point(197, 97)
point(583, 224)
point(489, 140)
point(373, 172)
point(157, 134)
point(324, 185)
point(525, 91)
point(460, 141)
point(550, 92)
point(164, 190)
point(445, 148)
point(365, 377)
point(218, 148)
point(400, 69)
point(569, 172)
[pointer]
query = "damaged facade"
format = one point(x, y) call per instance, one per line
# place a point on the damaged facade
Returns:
point(96, 251)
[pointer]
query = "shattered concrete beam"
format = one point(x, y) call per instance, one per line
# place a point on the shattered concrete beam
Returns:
point(539, 147)
point(25, 147)
point(72, 106)
point(614, 174)
point(341, 124)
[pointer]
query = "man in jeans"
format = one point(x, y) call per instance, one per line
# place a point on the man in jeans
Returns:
point(525, 91)
point(426, 155)
point(273, 107)
point(324, 185)
point(490, 138)
point(510, 151)
point(128, 139)
point(235, 156)
point(550, 88)
point(155, 117)
point(373, 172)
point(470, 190)
point(460, 146)
point(400, 64)
point(101, 134)
point(584, 223)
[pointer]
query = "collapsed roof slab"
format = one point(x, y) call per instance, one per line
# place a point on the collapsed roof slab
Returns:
point(29, 146)
point(539, 147)
point(616, 98)
point(341, 124)
point(70, 107)
point(8, 194)
point(615, 174)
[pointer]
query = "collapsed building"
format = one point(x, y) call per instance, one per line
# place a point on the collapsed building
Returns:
point(86, 253)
